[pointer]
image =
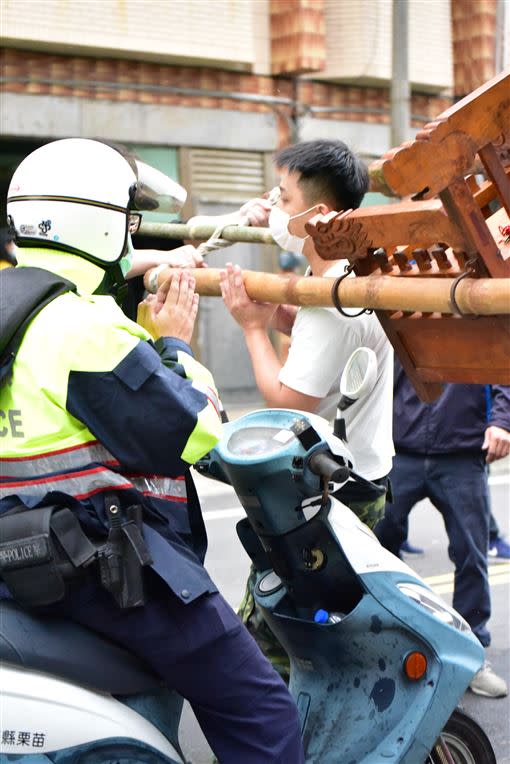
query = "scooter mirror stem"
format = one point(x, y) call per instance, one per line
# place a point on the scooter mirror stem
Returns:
point(339, 429)
point(345, 402)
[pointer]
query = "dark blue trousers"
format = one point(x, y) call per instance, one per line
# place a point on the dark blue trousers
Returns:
point(204, 652)
point(457, 486)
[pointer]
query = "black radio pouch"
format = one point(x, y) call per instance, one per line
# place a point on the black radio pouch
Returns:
point(40, 549)
point(123, 557)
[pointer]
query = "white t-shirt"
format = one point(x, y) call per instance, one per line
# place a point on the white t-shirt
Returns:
point(321, 342)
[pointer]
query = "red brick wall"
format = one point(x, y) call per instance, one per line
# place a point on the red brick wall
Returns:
point(364, 104)
point(41, 73)
point(298, 39)
point(474, 43)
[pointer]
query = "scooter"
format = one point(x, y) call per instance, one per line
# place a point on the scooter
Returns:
point(378, 661)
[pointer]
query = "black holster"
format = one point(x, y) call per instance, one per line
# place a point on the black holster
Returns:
point(123, 557)
point(40, 549)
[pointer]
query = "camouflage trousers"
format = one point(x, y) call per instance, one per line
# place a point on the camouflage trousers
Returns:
point(369, 512)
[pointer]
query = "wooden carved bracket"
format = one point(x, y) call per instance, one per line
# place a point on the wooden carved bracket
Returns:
point(445, 149)
point(451, 227)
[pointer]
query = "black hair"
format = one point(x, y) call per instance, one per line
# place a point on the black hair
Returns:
point(7, 236)
point(123, 150)
point(329, 172)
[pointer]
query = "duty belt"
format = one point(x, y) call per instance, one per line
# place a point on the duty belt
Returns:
point(43, 548)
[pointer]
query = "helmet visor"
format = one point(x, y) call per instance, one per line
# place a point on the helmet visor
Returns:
point(155, 191)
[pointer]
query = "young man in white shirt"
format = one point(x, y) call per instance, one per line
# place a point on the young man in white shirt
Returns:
point(327, 174)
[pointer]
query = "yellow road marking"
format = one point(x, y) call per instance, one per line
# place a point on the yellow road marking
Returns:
point(494, 570)
point(499, 573)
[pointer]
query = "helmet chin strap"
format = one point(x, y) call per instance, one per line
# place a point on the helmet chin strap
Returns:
point(113, 283)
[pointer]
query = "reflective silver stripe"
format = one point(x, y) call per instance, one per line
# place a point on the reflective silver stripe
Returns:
point(66, 460)
point(161, 487)
point(86, 483)
point(79, 485)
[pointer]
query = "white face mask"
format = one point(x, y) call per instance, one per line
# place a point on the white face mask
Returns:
point(279, 227)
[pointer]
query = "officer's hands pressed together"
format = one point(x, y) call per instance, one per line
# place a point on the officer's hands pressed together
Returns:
point(172, 311)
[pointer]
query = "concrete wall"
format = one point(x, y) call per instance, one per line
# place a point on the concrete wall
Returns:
point(60, 117)
point(367, 139)
point(362, 137)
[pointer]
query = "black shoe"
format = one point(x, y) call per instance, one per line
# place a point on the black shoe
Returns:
point(407, 548)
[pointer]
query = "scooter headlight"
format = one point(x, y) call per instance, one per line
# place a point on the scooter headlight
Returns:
point(434, 605)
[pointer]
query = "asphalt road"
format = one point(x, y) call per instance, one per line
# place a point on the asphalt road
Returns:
point(228, 565)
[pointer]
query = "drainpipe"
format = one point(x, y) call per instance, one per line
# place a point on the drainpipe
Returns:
point(400, 91)
point(502, 46)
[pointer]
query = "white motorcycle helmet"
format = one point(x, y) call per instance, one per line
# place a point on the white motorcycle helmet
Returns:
point(83, 197)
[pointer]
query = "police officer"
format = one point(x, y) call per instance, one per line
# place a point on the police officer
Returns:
point(108, 414)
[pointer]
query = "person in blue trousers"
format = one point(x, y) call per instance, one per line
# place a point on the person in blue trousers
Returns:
point(442, 452)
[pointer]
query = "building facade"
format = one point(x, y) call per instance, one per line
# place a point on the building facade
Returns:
point(208, 91)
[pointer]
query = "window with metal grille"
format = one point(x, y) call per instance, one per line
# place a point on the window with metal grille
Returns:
point(225, 176)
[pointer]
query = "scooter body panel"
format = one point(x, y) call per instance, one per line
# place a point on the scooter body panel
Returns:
point(45, 718)
point(453, 658)
point(350, 675)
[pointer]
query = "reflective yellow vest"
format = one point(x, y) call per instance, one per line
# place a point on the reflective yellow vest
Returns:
point(39, 437)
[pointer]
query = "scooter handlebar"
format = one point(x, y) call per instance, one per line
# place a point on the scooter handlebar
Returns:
point(323, 464)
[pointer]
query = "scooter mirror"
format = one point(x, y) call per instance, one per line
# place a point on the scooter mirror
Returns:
point(358, 377)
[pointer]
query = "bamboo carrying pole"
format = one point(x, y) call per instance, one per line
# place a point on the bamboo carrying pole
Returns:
point(484, 297)
point(202, 232)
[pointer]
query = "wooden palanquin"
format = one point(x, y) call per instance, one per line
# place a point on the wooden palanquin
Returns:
point(448, 224)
